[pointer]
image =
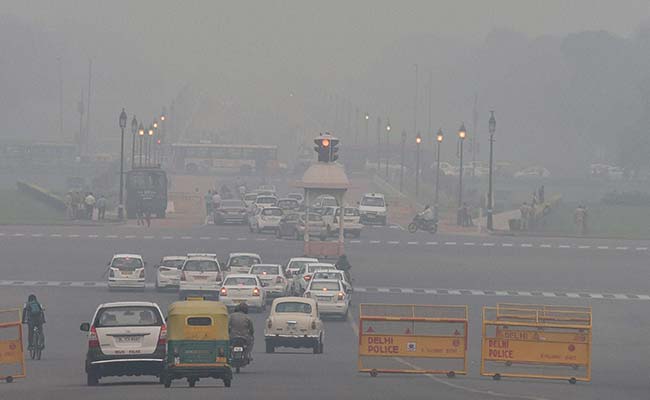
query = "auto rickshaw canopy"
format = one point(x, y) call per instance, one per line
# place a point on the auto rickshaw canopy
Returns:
point(197, 320)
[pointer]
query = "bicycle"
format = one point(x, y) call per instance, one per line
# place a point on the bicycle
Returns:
point(38, 343)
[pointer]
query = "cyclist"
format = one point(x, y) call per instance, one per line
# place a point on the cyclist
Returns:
point(33, 316)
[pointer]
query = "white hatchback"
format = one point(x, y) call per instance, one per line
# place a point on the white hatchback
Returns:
point(169, 271)
point(301, 281)
point(267, 218)
point(201, 276)
point(271, 276)
point(240, 263)
point(125, 339)
point(126, 271)
point(331, 296)
point(243, 288)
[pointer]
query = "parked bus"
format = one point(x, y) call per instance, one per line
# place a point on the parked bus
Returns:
point(150, 184)
point(206, 158)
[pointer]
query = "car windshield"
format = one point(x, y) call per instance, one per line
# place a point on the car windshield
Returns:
point(265, 269)
point(201, 265)
point(250, 197)
point(231, 204)
point(126, 263)
point(243, 261)
point(372, 202)
point(325, 286)
point(275, 212)
point(328, 275)
point(288, 203)
point(299, 264)
point(314, 218)
point(240, 281)
point(295, 196)
point(314, 268)
point(290, 218)
point(349, 212)
point(127, 316)
point(173, 263)
point(266, 200)
point(293, 307)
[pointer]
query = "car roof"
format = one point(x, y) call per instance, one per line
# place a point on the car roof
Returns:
point(295, 194)
point(295, 300)
point(325, 281)
point(241, 276)
point(174, 258)
point(320, 264)
point(250, 194)
point(244, 254)
point(303, 259)
point(202, 258)
point(266, 265)
point(211, 255)
point(271, 208)
point(287, 199)
point(128, 304)
point(127, 256)
point(373, 195)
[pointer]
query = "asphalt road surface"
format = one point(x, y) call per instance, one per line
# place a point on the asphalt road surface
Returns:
point(64, 266)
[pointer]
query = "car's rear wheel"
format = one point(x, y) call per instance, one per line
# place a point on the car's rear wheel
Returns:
point(270, 348)
point(167, 382)
point(227, 383)
point(92, 378)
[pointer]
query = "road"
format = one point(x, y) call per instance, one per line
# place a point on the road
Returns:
point(64, 267)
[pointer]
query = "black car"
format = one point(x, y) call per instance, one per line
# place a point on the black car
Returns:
point(230, 211)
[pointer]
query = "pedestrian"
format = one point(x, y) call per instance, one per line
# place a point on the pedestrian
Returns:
point(147, 210)
point(208, 202)
point(524, 210)
point(216, 201)
point(540, 195)
point(580, 217)
point(90, 205)
point(468, 215)
point(69, 204)
point(101, 208)
point(139, 210)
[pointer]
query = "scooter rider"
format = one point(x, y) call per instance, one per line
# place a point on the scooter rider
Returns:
point(342, 264)
point(241, 325)
point(427, 215)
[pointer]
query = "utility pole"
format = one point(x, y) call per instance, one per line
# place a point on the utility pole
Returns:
point(474, 134)
point(90, 75)
point(401, 167)
point(378, 144)
point(415, 103)
point(58, 59)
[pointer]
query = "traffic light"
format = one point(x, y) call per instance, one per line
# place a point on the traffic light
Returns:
point(327, 148)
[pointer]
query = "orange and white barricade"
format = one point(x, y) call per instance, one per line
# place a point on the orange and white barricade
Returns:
point(12, 357)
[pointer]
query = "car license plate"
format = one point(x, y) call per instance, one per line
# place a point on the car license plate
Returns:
point(128, 339)
point(238, 349)
point(239, 301)
point(201, 278)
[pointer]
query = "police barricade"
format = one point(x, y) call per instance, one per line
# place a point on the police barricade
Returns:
point(417, 339)
point(537, 341)
point(12, 357)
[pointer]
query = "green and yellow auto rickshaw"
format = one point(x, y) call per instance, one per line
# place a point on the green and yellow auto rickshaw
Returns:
point(197, 342)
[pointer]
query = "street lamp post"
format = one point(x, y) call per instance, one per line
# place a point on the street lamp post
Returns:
point(387, 145)
point(367, 118)
point(149, 139)
point(461, 136)
point(401, 167)
point(492, 125)
point(378, 145)
point(134, 132)
point(141, 134)
point(418, 141)
point(120, 207)
point(439, 138)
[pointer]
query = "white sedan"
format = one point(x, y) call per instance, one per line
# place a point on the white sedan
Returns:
point(305, 273)
point(169, 272)
point(331, 297)
point(243, 288)
point(275, 284)
point(338, 275)
point(126, 271)
point(240, 263)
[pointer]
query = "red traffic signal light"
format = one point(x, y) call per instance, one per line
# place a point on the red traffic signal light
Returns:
point(326, 147)
point(325, 142)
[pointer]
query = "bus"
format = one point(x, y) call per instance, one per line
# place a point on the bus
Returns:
point(206, 158)
point(150, 184)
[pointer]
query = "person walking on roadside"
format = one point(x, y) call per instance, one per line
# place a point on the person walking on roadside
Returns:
point(90, 205)
point(208, 203)
point(69, 205)
point(580, 217)
point(101, 208)
point(147, 206)
point(216, 201)
point(540, 194)
point(139, 210)
point(524, 210)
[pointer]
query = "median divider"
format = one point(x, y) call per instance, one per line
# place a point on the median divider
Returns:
point(537, 341)
point(12, 357)
point(414, 339)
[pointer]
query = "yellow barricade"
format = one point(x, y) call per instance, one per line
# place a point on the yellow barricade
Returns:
point(537, 341)
point(12, 357)
point(416, 339)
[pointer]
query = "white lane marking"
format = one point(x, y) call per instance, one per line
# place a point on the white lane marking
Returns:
point(37, 234)
point(545, 246)
point(167, 237)
point(393, 242)
point(374, 241)
point(93, 236)
point(454, 292)
point(355, 241)
point(205, 238)
point(622, 248)
point(148, 237)
point(564, 246)
point(412, 242)
point(57, 235)
point(186, 237)
point(584, 247)
point(107, 236)
point(432, 243)
point(76, 236)
point(488, 244)
point(526, 245)
point(548, 294)
point(224, 238)
point(18, 235)
point(643, 297)
point(642, 248)
point(241, 239)
point(600, 296)
point(573, 295)
point(469, 244)
point(129, 237)
point(260, 239)
point(507, 244)
point(603, 247)
point(450, 243)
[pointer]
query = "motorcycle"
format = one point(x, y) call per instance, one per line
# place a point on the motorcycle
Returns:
point(239, 355)
point(423, 225)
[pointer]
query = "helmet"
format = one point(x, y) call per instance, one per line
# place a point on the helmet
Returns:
point(242, 307)
point(32, 297)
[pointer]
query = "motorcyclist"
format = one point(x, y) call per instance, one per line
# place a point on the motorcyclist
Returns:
point(240, 325)
point(427, 215)
point(33, 315)
point(342, 264)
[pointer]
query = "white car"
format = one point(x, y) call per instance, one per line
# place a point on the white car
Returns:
point(243, 288)
point(294, 264)
point(294, 322)
point(323, 201)
point(351, 221)
point(338, 275)
point(533, 172)
point(126, 271)
point(266, 188)
point(301, 281)
point(275, 284)
point(240, 263)
point(331, 296)
point(200, 276)
point(265, 201)
point(373, 209)
point(296, 196)
point(169, 272)
point(287, 204)
point(125, 339)
point(249, 199)
point(267, 218)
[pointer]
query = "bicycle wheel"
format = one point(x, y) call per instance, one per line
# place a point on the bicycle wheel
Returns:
point(39, 345)
point(33, 349)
